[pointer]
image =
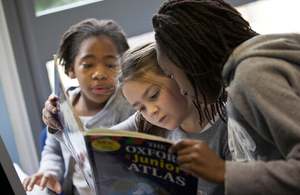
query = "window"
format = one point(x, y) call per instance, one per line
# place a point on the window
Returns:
point(272, 16)
point(43, 7)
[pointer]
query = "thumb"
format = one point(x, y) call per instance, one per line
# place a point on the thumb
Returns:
point(57, 187)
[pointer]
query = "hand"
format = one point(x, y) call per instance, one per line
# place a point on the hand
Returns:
point(195, 157)
point(49, 112)
point(43, 180)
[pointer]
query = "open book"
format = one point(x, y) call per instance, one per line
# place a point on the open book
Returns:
point(116, 162)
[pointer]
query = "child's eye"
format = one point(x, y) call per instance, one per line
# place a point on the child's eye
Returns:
point(87, 65)
point(111, 65)
point(142, 108)
point(154, 95)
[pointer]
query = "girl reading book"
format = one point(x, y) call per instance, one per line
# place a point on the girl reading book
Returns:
point(89, 52)
point(162, 110)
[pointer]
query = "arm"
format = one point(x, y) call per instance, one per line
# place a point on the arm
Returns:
point(267, 104)
point(52, 155)
point(51, 168)
point(128, 124)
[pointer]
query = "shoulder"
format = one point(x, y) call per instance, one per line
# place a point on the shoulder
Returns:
point(72, 91)
point(120, 105)
point(128, 124)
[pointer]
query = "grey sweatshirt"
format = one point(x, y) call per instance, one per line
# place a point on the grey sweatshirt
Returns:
point(263, 75)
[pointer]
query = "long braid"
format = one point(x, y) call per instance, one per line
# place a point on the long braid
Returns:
point(201, 34)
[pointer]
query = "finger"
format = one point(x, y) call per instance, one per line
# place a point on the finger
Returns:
point(57, 187)
point(180, 145)
point(34, 181)
point(51, 120)
point(26, 182)
point(189, 157)
point(186, 167)
point(186, 150)
point(44, 181)
point(51, 182)
point(52, 96)
point(48, 123)
point(191, 153)
point(50, 105)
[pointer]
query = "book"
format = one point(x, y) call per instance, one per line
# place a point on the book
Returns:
point(116, 162)
point(72, 128)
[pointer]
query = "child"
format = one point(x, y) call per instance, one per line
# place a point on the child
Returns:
point(89, 51)
point(206, 45)
point(161, 105)
point(164, 111)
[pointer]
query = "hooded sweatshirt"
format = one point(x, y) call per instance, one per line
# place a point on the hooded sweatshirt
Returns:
point(263, 76)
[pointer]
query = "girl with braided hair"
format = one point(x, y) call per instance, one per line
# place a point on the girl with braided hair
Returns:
point(207, 46)
point(89, 51)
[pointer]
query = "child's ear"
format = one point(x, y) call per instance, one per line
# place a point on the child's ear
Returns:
point(71, 72)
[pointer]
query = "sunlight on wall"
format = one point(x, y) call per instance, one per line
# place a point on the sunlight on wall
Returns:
point(272, 16)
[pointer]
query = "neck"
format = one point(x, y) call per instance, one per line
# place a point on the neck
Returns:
point(191, 124)
point(86, 107)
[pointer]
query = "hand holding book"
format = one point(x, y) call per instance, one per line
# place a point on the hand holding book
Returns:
point(50, 111)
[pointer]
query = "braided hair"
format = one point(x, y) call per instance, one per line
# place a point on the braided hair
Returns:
point(198, 36)
point(76, 34)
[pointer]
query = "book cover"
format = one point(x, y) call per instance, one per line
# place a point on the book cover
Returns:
point(126, 163)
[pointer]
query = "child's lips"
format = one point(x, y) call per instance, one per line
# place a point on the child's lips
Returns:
point(162, 119)
point(99, 90)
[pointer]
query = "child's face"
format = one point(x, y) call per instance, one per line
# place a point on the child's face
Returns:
point(95, 68)
point(161, 107)
point(171, 70)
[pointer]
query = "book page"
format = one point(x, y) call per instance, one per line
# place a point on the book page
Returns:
point(72, 129)
point(113, 132)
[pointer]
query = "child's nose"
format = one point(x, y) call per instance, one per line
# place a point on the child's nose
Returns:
point(99, 73)
point(152, 110)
